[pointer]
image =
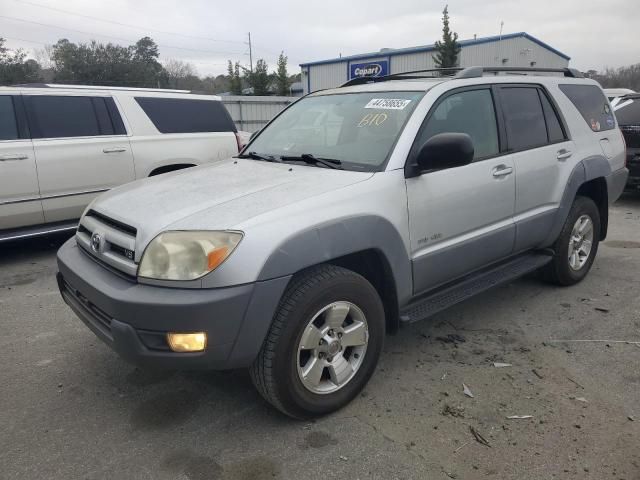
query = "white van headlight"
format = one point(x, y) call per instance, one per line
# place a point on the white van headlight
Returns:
point(186, 255)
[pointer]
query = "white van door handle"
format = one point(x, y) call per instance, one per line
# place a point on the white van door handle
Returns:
point(502, 171)
point(563, 154)
point(114, 150)
point(8, 158)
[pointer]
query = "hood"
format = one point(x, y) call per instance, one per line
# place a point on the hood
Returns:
point(216, 196)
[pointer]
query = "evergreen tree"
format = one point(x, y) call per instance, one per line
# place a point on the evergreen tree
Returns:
point(259, 79)
point(235, 82)
point(15, 68)
point(281, 76)
point(448, 49)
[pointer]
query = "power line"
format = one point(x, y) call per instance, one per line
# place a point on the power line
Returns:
point(114, 37)
point(128, 25)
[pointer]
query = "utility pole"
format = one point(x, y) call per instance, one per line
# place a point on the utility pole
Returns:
point(250, 54)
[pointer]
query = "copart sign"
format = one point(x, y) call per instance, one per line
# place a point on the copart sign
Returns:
point(369, 69)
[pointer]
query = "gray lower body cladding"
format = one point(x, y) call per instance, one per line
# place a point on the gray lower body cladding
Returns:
point(133, 318)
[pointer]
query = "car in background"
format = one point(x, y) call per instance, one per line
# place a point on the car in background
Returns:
point(627, 112)
point(612, 93)
point(61, 146)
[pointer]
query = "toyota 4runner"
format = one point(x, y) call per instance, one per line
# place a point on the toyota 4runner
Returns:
point(357, 209)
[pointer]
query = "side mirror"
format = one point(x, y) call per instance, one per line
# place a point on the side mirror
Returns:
point(445, 150)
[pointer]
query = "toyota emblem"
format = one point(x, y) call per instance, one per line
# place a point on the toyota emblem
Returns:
point(96, 240)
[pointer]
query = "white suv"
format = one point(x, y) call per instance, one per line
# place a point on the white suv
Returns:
point(60, 146)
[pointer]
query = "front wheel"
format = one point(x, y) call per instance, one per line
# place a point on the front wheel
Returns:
point(323, 345)
point(576, 247)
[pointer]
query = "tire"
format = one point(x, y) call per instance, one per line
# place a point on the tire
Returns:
point(560, 271)
point(315, 299)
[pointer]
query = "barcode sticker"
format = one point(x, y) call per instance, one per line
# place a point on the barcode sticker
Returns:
point(388, 103)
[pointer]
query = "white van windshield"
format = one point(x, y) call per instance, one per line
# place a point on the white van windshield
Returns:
point(355, 130)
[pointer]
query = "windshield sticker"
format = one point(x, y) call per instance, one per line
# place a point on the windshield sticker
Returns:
point(373, 120)
point(388, 103)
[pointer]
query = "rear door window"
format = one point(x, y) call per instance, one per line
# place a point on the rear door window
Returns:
point(523, 117)
point(57, 116)
point(8, 124)
point(178, 115)
point(592, 105)
point(469, 112)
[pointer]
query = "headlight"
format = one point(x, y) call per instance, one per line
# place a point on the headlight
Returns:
point(186, 255)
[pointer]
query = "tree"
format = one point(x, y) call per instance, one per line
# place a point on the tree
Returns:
point(448, 49)
point(146, 67)
point(15, 68)
point(259, 79)
point(623, 77)
point(235, 82)
point(99, 64)
point(178, 74)
point(281, 77)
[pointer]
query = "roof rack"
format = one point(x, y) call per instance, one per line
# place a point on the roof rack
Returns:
point(474, 72)
point(96, 87)
point(447, 72)
point(458, 72)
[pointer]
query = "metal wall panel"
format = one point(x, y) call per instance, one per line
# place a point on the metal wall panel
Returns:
point(329, 75)
point(518, 52)
point(252, 113)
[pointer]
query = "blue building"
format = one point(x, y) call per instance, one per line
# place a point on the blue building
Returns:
point(511, 50)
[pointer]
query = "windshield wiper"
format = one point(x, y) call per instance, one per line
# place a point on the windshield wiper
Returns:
point(257, 156)
point(310, 159)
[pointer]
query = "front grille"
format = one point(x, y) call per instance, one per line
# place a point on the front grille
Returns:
point(98, 317)
point(631, 135)
point(109, 241)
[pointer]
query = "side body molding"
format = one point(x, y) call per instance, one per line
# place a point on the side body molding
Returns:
point(588, 169)
point(341, 237)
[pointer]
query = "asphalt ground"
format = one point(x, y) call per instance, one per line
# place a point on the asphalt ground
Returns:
point(70, 408)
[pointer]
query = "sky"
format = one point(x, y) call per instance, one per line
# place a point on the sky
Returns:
point(595, 34)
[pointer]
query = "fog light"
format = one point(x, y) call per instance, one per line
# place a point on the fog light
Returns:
point(187, 342)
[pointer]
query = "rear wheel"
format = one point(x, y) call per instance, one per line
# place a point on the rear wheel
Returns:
point(323, 345)
point(577, 245)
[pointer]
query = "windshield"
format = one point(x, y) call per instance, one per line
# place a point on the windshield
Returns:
point(357, 129)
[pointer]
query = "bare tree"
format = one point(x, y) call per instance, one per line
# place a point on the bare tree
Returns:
point(177, 70)
point(44, 56)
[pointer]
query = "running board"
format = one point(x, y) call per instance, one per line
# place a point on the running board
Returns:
point(38, 230)
point(471, 285)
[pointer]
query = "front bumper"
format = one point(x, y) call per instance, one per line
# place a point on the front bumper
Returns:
point(133, 318)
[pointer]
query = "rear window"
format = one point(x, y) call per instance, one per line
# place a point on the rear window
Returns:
point(628, 111)
point(177, 115)
point(8, 125)
point(592, 105)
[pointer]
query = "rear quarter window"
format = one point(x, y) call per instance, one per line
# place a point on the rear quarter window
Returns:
point(592, 105)
point(177, 115)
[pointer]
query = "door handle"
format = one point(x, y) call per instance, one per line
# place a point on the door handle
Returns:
point(502, 171)
point(114, 150)
point(564, 154)
point(8, 158)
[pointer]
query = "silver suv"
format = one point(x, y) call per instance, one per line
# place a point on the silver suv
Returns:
point(356, 210)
